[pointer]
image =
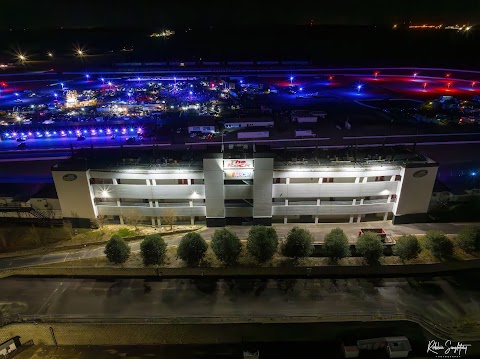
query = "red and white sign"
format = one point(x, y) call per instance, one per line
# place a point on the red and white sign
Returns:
point(227, 164)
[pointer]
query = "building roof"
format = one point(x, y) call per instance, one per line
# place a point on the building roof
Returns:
point(22, 192)
point(248, 119)
point(284, 159)
point(47, 191)
point(201, 121)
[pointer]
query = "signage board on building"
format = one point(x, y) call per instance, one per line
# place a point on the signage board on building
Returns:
point(69, 177)
point(238, 174)
point(420, 173)
point(227, 164)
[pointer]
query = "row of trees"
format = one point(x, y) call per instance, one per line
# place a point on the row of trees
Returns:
point(263, 243)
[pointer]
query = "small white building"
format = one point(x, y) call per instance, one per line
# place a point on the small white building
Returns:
point(249, 122)
point(303, 117)
point(202, 124)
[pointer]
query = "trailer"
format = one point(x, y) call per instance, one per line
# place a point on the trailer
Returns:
point(253, 134)
point(321, 114)
point(304, 133)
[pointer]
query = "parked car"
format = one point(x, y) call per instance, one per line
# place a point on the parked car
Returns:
point(22, 145)
point(80, 138)
point(131, 140)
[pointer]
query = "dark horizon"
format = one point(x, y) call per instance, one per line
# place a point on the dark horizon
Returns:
point(56, 14)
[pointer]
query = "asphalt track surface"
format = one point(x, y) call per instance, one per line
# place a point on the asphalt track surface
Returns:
point(443, 300)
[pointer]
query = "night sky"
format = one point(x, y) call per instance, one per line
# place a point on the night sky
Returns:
point(142, 13)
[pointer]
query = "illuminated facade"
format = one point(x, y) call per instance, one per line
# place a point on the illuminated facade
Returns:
point(261, 188)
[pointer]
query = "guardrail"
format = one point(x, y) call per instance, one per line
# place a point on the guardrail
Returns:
point(392, 271)
point(438, 329)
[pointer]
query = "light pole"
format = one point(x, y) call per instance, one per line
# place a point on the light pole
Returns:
point(424, 87)
point(291, 80)
point(415, 75)
point(359, 88)
point(448, 85)
point(103, 81)
point(473, 84)
point(375, 74)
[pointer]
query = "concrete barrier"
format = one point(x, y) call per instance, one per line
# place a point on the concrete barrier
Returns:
point(334, 271)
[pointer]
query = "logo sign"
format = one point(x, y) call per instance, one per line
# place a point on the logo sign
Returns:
point(245, 174)
point(447, 349)
point(69, 177)
point(237, 164)
point(420, 173)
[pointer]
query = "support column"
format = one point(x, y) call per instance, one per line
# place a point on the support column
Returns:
point(287, 180)
point(285, 220)
point(262, 189)
point(318, 201)
point(354, 202)
point(316, 219)
point(359, 218)
point(192, 220)
point(365, 179)
point(214, 189)
point(189, 181)
point(357, 180)
point(286, 202)
point(320, 180)
point(150, 202)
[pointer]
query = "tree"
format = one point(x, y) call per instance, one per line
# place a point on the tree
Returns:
point(169, 217)
point(226, 246)
point(133, 218)
point(369, 245)
point(468, 239)
point(335, 244)
point(299, 243)
point(192, 248)
point(100, 221)
point(68, 227)
point(33, 234)
point(407, 247)
point(117, 250)
point(439, 244)
point(153, 249)
point(262, 243)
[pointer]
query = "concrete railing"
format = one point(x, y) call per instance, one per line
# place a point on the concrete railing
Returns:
point(393, 271)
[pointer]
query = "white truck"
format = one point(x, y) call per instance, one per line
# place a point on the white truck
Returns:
point(253, 134)
point(321, 114)
point(304, 133)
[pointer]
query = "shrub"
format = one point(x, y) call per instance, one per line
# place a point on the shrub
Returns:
point(299, 243)
point(117, 250)
point(262, 243)
point(226, 246)
point(369, 245)
point(153, 249)
point(407, 247)
point(336, 244)
point(192, 248)
point(468, 239)
point(125, 232)
point(439, 244)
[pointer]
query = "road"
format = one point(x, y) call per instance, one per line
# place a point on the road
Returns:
point(443, 300)
point(317, 230)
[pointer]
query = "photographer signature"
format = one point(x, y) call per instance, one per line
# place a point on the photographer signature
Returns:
point(436, 348)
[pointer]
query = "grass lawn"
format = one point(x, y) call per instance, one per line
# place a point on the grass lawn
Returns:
point(25, 240)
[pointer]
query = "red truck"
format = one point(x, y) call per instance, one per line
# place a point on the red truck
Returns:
point(379, 231)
